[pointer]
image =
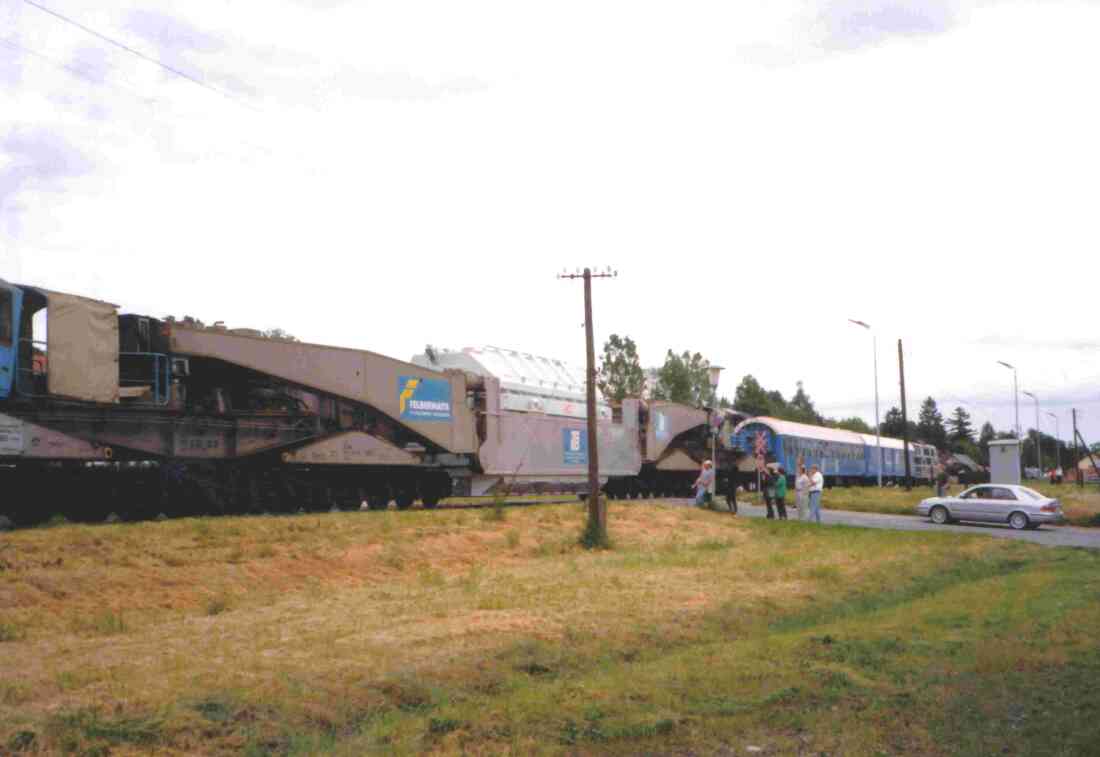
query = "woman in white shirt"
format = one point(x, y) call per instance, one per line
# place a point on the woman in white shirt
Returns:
point(817, 483)
point(801, 492)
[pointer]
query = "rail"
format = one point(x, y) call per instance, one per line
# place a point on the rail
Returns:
point(136, 369)
point(158, 378)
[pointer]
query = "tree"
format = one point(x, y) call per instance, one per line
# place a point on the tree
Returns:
point(959, 427)
point(930, 427)
point(855, 423)
point(753, 399)
point(684, 378)
point(894, 427)
point(801, 408)
point(620, 374)
point(984, 438)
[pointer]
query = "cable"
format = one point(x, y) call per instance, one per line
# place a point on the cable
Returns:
point(138, 53)
point(77, 72)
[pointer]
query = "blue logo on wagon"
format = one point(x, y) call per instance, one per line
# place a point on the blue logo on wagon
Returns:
point(424, 399)
point(574, 444)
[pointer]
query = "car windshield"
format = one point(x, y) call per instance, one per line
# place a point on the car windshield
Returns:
point(1030, 492)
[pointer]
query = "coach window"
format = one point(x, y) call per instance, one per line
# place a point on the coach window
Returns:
point(5, 318)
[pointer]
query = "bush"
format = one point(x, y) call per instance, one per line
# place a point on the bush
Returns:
point(10, 632)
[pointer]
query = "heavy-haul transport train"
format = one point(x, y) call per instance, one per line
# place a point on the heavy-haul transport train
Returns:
point(844, 457)
point(102, 413)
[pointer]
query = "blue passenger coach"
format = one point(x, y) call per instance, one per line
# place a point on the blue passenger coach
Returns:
point(844, 457)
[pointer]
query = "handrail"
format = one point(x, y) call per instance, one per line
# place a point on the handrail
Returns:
point(161, 376)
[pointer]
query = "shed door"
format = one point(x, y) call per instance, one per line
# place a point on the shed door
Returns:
point(11, 303)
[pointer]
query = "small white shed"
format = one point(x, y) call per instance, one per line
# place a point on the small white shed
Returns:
point(1004, 461)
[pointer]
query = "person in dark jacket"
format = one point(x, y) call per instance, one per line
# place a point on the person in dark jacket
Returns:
point(767, 487)
point(781, 492)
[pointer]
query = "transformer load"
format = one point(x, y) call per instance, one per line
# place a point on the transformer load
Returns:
point(528, 383)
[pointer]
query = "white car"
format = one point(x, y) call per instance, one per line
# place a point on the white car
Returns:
point(1018, 506)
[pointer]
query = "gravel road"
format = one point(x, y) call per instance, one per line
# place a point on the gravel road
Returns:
point(1051, 536)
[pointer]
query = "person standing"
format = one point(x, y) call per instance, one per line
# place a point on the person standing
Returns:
point(817, 485)
point(781, 492)
point(731, 492)
point(702, 484)
point(767, 486)
point(801, 493)
point(941, 480)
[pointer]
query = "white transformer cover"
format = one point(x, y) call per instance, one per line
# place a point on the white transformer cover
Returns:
point(528, 383)
point(1004, 461)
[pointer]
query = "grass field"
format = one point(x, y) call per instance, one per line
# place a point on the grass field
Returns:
point(453, 632)
point(1081, 505)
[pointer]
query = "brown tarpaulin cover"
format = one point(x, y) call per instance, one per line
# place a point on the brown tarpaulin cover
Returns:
point(82, 345)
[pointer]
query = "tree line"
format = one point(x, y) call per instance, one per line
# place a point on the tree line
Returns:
point(684, 378)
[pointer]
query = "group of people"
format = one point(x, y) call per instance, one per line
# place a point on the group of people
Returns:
point(807, 492)
point(773, 484)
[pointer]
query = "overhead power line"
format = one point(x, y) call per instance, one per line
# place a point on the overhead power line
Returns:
point(132, 51)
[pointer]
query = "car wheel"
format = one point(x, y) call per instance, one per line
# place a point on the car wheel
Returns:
point(1018, 521)
point(939, 515)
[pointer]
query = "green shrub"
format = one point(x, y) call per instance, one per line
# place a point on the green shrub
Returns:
point(217, 605)
point(10, 632)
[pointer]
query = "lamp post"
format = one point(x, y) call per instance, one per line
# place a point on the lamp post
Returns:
point(714, 373)
point(1038, 436)
point(878, 438)
point(1015, 392)
point(1057, 440)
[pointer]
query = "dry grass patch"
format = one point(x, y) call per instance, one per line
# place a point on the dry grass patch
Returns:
point(423, 631)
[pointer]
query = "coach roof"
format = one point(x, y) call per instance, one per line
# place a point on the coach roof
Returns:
point(804, 430)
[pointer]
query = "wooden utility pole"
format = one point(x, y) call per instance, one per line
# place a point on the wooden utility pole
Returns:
point(904, 418)
point(595, 533)
point(1076, 460)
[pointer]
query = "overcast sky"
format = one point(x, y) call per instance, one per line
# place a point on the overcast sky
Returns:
point(389, 174)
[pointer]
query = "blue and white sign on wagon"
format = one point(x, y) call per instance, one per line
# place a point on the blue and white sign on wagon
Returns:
point(424, 399)
point(574, 442)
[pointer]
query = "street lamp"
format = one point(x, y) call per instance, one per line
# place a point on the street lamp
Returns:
point(878, 438)
point(1038, 436)
point(1057, 440)
point(714, 373)
point(1016, 394)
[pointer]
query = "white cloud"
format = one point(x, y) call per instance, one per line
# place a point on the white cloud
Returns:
point(407, 173)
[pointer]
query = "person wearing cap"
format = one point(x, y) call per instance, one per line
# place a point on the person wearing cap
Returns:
point(702, 484)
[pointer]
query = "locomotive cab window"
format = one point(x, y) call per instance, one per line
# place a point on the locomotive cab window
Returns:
point(6, 326)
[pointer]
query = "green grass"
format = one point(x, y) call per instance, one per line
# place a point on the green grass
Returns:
point(698, 633)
